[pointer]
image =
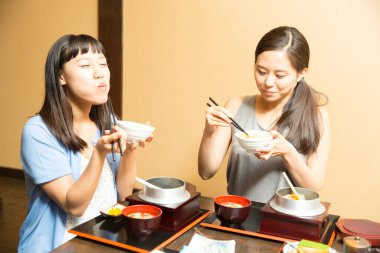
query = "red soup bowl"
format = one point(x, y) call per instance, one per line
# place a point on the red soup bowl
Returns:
point(232, 208)
point(142, 220)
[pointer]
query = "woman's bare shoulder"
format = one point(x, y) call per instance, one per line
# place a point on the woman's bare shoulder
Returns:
point(233, 104)
point(324, 119)
point(323, 113)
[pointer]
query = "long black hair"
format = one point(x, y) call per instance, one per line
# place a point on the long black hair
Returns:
point(56, 110)
point(300, 116)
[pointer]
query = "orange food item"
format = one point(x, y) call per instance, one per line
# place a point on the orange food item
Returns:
point(294, 197)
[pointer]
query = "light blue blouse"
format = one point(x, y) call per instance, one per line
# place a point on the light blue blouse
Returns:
point(44, 159)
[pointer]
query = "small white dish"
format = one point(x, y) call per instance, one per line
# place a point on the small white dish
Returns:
point(105, 213)
point(289, 249)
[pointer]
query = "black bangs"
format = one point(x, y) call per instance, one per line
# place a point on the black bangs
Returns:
point(79, 44)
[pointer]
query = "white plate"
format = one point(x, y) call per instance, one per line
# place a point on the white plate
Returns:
point(321, 209)
point(287, 248)
point(164, 201)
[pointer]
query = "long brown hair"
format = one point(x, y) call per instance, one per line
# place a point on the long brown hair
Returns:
point(300, 116)
point(56, 110)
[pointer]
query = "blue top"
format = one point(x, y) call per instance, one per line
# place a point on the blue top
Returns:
point(44, 158)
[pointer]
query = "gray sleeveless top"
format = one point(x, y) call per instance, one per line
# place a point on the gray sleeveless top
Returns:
point(247, 175)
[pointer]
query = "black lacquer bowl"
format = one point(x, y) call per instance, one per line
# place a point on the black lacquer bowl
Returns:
point(142, 220)
point(232, 208)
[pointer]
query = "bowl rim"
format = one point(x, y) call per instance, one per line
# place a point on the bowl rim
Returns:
point(126, 210)
point(135, 126)
point(297, 188)
point(168, 177)
point(269, 136)
point(233, 196)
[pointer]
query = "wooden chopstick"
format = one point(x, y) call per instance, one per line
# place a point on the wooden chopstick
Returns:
point(113, 119)
point(113, 148)
point(291, 185)
point(233, 121)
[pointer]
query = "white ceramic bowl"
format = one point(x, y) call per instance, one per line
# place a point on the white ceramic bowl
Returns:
point(255, 140)
point(136, 131)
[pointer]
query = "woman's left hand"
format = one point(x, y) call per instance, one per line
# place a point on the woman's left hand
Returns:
point(131, 145)
point(278, 146)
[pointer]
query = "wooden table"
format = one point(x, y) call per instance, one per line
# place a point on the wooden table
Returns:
point(244, 243)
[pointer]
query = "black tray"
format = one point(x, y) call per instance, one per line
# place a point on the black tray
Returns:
point(251, 225)
point(115, 233)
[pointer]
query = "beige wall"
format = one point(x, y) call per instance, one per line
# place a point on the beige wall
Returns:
point(28, 28)
point(177, 53)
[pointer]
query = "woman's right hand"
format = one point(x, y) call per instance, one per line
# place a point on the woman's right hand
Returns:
point(216, 137)
point(218, 116)
point(104, 143)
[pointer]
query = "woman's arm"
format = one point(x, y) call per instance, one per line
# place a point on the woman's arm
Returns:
point(74, 197)
point(312, 173)
point(216, 137)
point(127, 172)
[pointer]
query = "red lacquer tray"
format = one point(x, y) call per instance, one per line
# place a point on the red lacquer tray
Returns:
point(367, 229)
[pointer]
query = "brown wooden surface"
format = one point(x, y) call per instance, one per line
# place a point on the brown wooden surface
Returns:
point(110, 28)
point(13, 207)
point(243, 243)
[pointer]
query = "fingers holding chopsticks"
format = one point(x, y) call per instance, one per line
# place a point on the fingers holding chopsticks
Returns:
point(106, 143)
point(231, 121)
point(218, 116)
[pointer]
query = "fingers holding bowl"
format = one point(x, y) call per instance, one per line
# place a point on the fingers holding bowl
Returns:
point(136, 131)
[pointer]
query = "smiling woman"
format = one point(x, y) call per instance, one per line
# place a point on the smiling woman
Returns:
point(65, 147)
point(287, 107)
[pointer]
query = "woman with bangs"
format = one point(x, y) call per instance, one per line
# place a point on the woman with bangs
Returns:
point(288, 107)
point(65, 149)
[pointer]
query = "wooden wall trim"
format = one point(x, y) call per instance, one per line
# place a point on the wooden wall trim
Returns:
point(11, 172)
point(110, 34)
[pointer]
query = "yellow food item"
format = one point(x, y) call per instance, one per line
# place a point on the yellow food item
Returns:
point(115, 211)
